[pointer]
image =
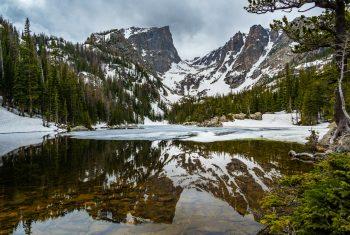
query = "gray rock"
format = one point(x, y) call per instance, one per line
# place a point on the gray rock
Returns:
point(214, 122)
point(344, 144)
point(240, 116)
point(124, 126)
point(256, 116)
point(230, 117)
point(325, 140)
point(79, 128)
point(223, 118)
point(156, 47)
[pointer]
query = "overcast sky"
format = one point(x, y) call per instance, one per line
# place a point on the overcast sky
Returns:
point(198, 26)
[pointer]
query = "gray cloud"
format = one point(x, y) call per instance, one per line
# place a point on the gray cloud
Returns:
point(198, 26)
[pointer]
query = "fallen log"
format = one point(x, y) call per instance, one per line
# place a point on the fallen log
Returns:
point(307, 156)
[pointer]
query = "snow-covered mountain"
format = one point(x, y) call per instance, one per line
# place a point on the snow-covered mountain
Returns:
point(245, 60)
point(242, 62)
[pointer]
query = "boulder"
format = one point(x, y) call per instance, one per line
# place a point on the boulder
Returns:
point(256, 116)
point(327, 137)
point(124, 126)
point(343, 144)
point(214, 122)
point(223, 118)
point(79, 128)
point(230, 117)
point(239, 116)
point(210, 124)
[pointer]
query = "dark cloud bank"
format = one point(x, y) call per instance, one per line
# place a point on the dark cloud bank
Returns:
point(198, 26)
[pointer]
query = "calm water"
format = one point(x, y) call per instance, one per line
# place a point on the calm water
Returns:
point(71, 186)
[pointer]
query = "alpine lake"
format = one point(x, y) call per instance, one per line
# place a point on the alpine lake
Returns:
point(75, 186)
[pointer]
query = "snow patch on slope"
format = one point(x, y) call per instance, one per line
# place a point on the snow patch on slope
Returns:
point(12, 123)
point(249, 81)
point(133, 31)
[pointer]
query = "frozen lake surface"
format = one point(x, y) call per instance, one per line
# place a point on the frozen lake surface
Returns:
point(16, 131)
point(202, 134)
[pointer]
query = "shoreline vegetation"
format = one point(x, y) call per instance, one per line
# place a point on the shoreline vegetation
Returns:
point(313, 203)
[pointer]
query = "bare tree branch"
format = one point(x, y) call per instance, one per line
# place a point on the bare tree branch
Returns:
point(264, 6)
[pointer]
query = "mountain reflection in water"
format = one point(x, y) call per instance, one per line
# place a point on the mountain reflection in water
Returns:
point(165, 187)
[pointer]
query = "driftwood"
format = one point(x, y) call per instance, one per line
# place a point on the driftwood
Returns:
point(307, 156)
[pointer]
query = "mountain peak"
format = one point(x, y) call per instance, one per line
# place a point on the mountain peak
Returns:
point(155, 45)
point(219, 55)
point(128, 32)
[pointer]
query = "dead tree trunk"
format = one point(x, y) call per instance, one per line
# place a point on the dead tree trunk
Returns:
point(1, 58)
point(341, 117)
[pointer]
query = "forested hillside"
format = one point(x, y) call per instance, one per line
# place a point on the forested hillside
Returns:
point(75, 84)
point(309, 92)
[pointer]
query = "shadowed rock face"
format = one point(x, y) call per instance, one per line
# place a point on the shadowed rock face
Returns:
point(156, 47)
point(114, 42)
point(153, 47)
point(256, 41)
point(218, 56)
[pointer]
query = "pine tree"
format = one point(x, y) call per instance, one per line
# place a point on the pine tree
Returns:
point(9, 44)
point(28, 74)
point(2, 70)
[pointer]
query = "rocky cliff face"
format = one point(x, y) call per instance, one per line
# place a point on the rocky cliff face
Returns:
point(152, 47)
point(233, 46)
point(155, 45)
point(114, 42)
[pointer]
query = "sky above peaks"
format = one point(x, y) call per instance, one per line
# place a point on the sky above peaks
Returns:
point(198, 26)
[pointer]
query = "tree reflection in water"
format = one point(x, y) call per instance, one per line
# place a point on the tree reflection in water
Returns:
point(135, 182)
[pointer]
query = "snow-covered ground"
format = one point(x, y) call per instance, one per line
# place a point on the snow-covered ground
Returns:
point(17, 131)
point(12, 123)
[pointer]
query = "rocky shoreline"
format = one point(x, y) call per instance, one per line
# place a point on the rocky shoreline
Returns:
point(115, 127)
point(217, 121)
point(324, 147)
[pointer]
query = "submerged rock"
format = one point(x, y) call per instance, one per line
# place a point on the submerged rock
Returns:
point(307, 156)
